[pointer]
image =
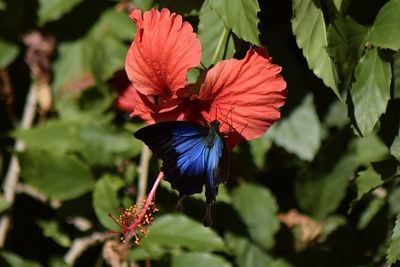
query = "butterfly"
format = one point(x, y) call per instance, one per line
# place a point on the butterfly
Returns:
point(192, 156)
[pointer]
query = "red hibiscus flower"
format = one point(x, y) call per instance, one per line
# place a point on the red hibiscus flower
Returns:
point(244, 95)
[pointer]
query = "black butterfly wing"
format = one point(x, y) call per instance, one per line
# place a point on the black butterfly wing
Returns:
point(180, 146)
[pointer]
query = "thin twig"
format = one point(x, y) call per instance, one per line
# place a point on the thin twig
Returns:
point(79, 246)
point(143, 173)
point(13, 171)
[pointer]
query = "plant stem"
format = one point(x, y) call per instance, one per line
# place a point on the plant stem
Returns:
point(219, 45)
point(143, 172)
point(11, 179)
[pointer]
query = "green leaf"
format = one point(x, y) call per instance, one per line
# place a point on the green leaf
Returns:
point(337, 115)
point(116, 24)
point(54, 136)
point(257, 208)
point(300, 133)
point(393, 252)
point(199, 259)
point(72, 68)
point(8, 53)
point(105, 200)
point(259, 149)
point(51, 229)
point(371, 90)
point(3, 6)
point(246, 253)
point(109, 56)
point(314, 189)
point(369, 213)
point(61, 177)
point(366, 181)
point(309, 28)
point(54, 9)
point(369, 149)
point(240, 16)
point(216, 42)
point(332, 223)
point(13, 260)
point(176, 231)
point(147, 250)
point(346, 40)
point(280, 263)
point(396, 74)
point(395, 148)
point(385, 30)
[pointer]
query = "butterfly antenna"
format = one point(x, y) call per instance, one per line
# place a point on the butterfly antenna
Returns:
point(226, 118)
point(244, 127)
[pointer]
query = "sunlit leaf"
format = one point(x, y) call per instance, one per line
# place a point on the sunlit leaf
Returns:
point(395, 148)
point(105, 200)
point(300, 133)
point(257, 208)
point(8, 53)
point(393, 252)
point(176, 231)
point(54, 9)
point(369, 149)
point(385, 30)
point(247, 253)
point(13, 260)
point(240, 16)
point(115, 23)
point(199, 259)
point(60, 177)
point(216, 42)
point(371, 90)
point(51, 229)
point(309, 28)
point(366, 181)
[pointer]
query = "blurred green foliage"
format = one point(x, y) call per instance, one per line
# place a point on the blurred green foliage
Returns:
point(320, 188)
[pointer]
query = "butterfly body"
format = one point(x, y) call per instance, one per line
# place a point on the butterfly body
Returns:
point(193, 156)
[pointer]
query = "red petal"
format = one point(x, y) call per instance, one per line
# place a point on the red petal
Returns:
point(163, 51)
point(244, 94)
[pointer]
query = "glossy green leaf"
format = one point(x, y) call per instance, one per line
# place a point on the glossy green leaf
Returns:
point(369, 213)
point(105, 200)
point(393, 252)
point(385, 30)
point(13, 260)
point(241, 17)
point(246, 253)
point(346, 39)
point(309, 28)
point(257, 208)
point(371, 90)
point(51, 229)
point(314, 189)
point(8, 53)
point(216, 41)
point(54, 9)
point(366, 181)
point(395, 148)
point(176, 231)
point(199, 259)
point(300, 133)
point(61, 177)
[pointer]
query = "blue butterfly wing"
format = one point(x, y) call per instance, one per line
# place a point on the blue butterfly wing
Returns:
point(189, 159)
